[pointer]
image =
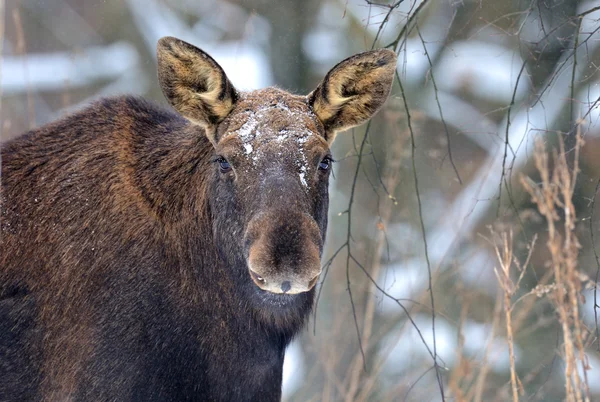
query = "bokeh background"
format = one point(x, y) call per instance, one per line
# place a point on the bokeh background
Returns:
point(409, 306)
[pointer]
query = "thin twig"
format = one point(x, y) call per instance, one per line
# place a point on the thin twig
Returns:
point(437, 100)
point(391, 7)
point(423, 234)
point(349, 237)
point(506, 136)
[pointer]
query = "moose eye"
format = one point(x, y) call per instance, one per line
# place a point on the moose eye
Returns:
point(224, 166)
point(325, 164)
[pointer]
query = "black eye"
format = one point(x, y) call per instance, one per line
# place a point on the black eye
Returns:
point(325, 164)
point(224, 166)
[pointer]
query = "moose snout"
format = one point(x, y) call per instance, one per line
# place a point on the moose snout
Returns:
point(284, 250)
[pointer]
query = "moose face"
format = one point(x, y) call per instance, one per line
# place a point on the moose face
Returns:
point(273, 167)
point(272, 160)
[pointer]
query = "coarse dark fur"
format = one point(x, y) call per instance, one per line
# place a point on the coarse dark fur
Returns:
point(151, 255)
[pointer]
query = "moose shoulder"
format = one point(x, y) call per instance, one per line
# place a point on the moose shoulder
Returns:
point(147, 254)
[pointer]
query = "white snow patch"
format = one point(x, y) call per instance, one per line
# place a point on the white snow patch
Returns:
point(302, 140)
point(303, 170)
point(283, 135)
point(303, 180)
point(302, 176)
point(248, 148)
point(246, 130)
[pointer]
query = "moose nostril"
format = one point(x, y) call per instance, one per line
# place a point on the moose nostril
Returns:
point(285, 286)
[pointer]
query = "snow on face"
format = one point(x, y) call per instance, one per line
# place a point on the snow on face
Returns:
point(274, 128)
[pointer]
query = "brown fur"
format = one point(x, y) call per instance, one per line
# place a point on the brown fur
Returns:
point(127, 242)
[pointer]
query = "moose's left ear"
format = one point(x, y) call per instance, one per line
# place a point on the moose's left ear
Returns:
point(353, 90)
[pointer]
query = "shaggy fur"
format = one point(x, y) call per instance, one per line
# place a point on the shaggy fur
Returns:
point(129, 232)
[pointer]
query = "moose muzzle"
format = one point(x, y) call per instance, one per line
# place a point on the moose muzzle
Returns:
point(284, 249)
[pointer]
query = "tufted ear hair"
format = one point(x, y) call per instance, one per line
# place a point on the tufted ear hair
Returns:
point(353, 91)
point(193, 83)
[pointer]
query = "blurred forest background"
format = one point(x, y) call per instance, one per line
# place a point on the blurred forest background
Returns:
point(451, 282)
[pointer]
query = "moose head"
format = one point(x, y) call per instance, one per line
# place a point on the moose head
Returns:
point(272, 161)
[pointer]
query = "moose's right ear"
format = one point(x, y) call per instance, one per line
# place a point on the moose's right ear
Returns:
point(195, 85)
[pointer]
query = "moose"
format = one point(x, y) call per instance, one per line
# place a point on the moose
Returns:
point(156, 255)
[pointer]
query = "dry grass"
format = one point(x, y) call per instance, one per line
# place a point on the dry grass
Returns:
point(515, 312)
point(509, 289)
point(560, 286)
point(554, 197)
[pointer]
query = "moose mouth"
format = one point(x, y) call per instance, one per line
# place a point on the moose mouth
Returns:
point(283, 286)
